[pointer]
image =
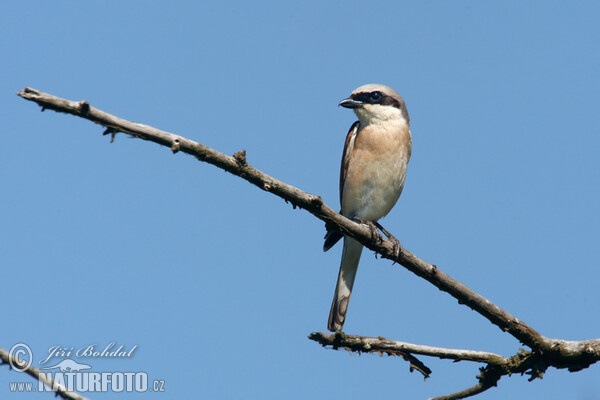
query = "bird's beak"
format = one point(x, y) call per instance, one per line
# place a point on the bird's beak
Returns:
point(350, 103)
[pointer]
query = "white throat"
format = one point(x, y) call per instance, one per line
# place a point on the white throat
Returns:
point(378, 114)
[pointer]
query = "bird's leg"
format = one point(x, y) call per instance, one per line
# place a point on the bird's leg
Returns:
point(391, 238)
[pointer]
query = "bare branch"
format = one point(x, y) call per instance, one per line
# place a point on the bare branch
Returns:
point(364, 344)
point(374, 345)
point(497, 366)
point(573, 355)
point(463, 394)
point(59, 389)
point(524, 362)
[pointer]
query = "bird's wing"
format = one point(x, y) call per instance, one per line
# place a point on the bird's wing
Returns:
point(348, 147)
point(333, 236)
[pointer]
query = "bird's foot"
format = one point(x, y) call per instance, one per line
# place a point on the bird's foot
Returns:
point(372, 227)
point(395, 243)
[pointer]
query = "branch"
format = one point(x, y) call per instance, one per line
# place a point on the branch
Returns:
point(379, 345)
point(524, 362)
point(497, 366)
point(60, 390)
point(463, 394)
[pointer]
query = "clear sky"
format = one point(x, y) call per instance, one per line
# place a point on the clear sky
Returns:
point(217, 283)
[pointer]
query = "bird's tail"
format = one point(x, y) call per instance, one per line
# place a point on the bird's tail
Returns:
point(343, 290)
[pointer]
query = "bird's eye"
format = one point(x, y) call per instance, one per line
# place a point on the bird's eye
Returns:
point(375, 96)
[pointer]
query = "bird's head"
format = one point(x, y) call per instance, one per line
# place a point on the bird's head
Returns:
point(374, 103)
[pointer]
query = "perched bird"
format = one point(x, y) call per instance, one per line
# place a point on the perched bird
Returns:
point(372, 174)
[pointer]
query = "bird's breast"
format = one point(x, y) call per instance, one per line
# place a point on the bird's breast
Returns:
point(376, 170)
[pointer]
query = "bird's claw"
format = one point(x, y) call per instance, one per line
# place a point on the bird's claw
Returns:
point(375, 227)
point(395, 243)
point(372, 227)
point(396, 246)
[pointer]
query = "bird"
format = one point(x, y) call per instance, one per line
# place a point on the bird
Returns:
point(372, 174)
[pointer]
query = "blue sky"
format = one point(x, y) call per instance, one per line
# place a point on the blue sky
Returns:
point(218, 283)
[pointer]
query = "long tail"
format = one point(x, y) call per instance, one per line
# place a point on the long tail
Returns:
point(343, 290)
